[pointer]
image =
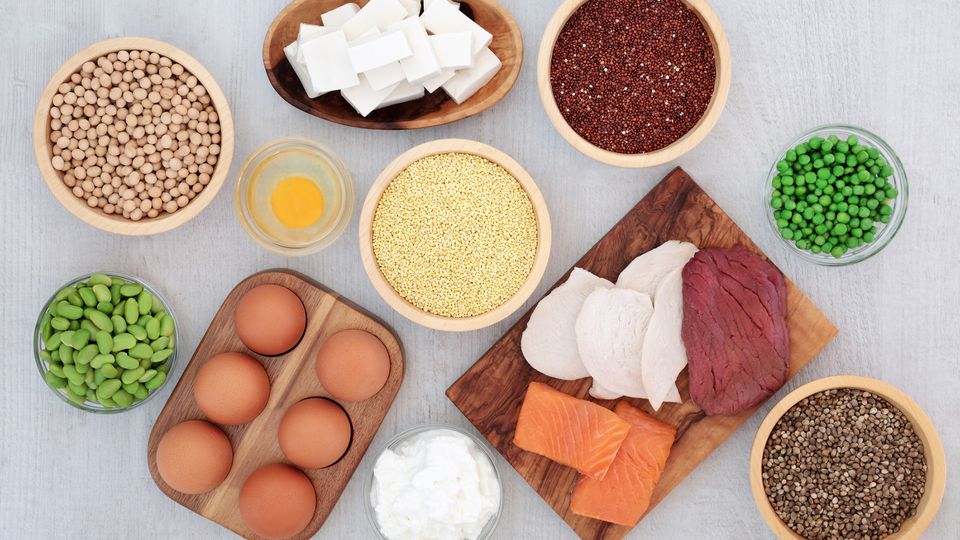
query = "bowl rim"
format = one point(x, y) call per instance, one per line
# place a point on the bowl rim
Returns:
point(401, 305)
point(933, 451)
point(406, 435)
point(718, 38)
point(345, 181)
point(888, 231)
point(117, 224)
point(85, 406)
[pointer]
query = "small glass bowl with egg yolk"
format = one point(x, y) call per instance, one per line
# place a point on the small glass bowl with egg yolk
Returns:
point(294, 196)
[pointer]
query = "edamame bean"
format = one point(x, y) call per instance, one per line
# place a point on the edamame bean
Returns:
point(132, 375)
point(69, 311)
point(66, 353)
point(101, 279)
point(53, 342)
point(87, 295)
point(131, 388)
point(89, 327)
point(101, 360)
point(57, 369)
point(86, 355)
point(141, 393)
point(76, 389)
point(122, 398)
point(161, 356)
point(147, 375)
point(115, 293)
point(59, 323)
point(126, 361)
point(108, 389)
point(105, 307)
point(81, 368)
point(160, 343)
point(141, 351)
point(130, 289)
point(137, 331)
point(166, 325)
point(109, 372)
point(54, 381)
point(145, 302)
point(156, 382)
point(131, 311)
point(80, 338)
point(70, 372)
point(119, 324)
point(74, 298)
point(105, 341)
point(101, 321)
point(153, 329)
point(102, 292)
point(123, 342)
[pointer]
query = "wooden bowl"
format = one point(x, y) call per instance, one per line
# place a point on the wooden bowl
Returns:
point(94, 216)
point(434, 109)
point(932, 450)
point(400, 304)
point(649, 159)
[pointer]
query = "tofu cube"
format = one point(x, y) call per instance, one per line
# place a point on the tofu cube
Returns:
point(442, 17)
point(426, 3)
point(413, 7)
point(403, 93)
point(290, 51)
point(308, 32)
point(377, 51)
point(466, 82)
point(339, 16)
point(376, 14)
point(453, 49)
point(363, 98)
point(422, 64)
point(328, 62)
point(433, 83)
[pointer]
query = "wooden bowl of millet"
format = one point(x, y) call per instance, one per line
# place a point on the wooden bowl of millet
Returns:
point(408, 307)
point(592, 70)
point(170, 84)
point(935, 476)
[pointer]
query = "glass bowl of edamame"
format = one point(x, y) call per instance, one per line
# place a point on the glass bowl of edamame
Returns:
point(836, 195)
point(106, 342)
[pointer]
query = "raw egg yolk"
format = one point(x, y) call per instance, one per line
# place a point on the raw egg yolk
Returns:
point(297, 202)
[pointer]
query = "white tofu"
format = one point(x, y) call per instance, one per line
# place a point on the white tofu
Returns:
point(467, 81)
point(339, 16)
point(376, 14)
point(364, 98)
point(442, 17)
point(453, 49)
point(433, 83)
point(422, 64)
point(413, 7)
point(426, 3)
point(328, 62)
point(300, 69)
point(403, 93)
point(308, 32)
point(385, 76)
point(378, 51)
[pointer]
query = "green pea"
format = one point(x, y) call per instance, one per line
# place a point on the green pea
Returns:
point(137, 331)
point(153, 328)
point(108, 389)
point(86, 355)
point(122, 398)
point(123, 342)
point(144, 302)
point(161, 356)
point(141, 351)
point(53, 381)
point(132, 375)
point(101, 360)
point(101, 279)
point(126, 361)
point(109, 371)
point(119, 324)
point(69, 311)
point(156, 382)
point(130, 289)
point(131, 311)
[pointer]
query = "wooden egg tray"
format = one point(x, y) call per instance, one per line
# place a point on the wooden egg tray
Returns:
point(292, 378)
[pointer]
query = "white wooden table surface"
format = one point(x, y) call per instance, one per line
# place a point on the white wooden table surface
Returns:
point(888, 66)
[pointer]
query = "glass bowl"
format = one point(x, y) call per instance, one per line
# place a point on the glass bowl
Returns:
point(405, 436)
point(92, 406)
point(885, 232)
point(293, 157)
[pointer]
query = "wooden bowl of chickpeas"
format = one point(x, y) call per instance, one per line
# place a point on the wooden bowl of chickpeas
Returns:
point(133, 136)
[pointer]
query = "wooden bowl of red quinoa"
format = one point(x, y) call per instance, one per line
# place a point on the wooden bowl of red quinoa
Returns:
point(598, 76)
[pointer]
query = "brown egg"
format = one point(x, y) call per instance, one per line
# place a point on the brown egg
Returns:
point(231, 388)
point(270, 319)
point(353, 365)
point(194, 457)
point(277, 501)
point(314, 433)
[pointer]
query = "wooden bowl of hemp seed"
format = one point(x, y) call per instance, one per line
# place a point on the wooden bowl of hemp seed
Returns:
point(454, 235)
point(847, 457)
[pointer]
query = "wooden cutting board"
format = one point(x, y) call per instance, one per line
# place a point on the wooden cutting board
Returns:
point(292, 378)
point(490, 393)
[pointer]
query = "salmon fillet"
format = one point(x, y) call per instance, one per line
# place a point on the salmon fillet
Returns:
point(623, 495)
point(570, 431)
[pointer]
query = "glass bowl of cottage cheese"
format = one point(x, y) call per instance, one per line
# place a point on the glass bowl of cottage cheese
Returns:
point(434, 482)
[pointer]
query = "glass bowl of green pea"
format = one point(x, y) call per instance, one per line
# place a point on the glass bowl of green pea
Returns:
point(106, 342)
point(836, 195)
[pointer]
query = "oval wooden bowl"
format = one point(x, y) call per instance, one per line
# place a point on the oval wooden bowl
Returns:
point(414, 313)
point(932, 450)
point(94, 216)
point(434, 109)
point(650, 159)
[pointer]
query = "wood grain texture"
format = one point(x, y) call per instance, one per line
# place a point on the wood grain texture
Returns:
point(434, 109)
point(932, 449)
point(43, 146)
point(724, 64)
point(490, 393)
point(408, 310)
point(292, 379)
